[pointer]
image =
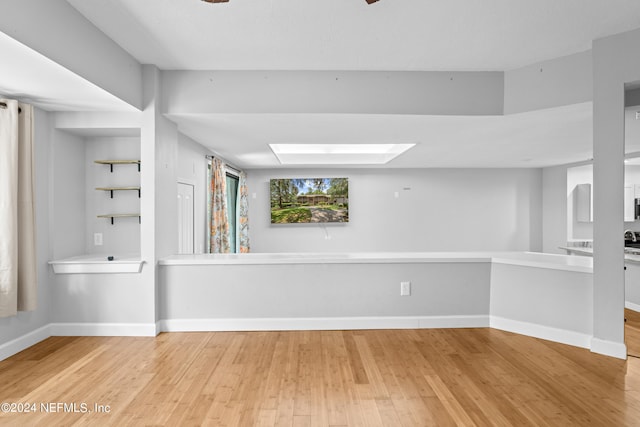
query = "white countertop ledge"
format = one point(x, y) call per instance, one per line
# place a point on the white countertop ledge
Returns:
point(324, 258)
point(527, 259)
point(588, 252)
point(548, 261)
point(96, 264)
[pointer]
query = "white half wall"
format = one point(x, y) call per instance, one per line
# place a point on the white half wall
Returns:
point(544, 303)
point(435, 210)
point(192, 294)
point(101, 298)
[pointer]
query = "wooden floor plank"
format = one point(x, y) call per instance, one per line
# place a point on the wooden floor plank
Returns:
point(422, 377)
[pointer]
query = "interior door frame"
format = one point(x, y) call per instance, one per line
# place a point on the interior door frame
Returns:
point(191, 183)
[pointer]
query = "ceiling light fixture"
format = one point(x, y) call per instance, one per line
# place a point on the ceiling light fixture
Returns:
point(225, 1)
point(337, 154)
point(371, 1)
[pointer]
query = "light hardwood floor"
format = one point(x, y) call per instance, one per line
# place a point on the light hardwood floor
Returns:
point(437, 377)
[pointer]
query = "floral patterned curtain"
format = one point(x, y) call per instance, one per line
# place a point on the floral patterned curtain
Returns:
point(242, 221)
point(219, 224)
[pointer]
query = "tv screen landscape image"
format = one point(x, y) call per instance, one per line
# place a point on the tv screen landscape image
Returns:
point(309, 200)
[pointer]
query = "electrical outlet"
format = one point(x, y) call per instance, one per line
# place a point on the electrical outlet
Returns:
point(97, 239)
point(405, 289)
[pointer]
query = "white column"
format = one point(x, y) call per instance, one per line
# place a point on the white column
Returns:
point(615, 63)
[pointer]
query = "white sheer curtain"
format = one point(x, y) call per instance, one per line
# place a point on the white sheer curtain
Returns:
point(18, 281)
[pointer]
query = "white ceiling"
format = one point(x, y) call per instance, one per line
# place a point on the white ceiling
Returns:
point(351, 35)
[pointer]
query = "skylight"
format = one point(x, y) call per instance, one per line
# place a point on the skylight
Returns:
point(337, 154)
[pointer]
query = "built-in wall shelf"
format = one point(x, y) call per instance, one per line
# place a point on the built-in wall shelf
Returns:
point(125, 215)
point(112, 189)
point(118, 162)
point(88, 264)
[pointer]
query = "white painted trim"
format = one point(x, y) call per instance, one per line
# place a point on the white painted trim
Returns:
point(463, 321)
point(186, 181)
point(326, 323)
point(103, 329)
point(563, 336)
point(524, 259)
point(23, 342)
point(609, 348)
point(632, 306)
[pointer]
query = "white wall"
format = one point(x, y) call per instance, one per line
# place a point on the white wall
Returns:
point(577, 230)
point(123, 237)
point(68, 200)
point(58, 31)
point(554, 209)
point(298, 293)
point(547, 303)
point(192, 168)
point(436, 210)
point(347, 92)
point(559, 219)
point(632, 177)
point(632, 286)
point(560, 81)
point(615, 65)
point(111, 299)
point(27, 322)
point(76, 202)
point(123, 303)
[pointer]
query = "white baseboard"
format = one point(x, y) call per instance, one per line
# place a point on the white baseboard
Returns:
point(25, 341)
point(609, 348)
point(103, 329)
point(323, 323)
point(563, 336)
point(632, 306)
point(432, 322)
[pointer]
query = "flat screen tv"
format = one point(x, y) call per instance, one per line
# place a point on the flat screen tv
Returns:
point(309, 200)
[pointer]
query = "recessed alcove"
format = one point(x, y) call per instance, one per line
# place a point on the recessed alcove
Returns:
point(89, 221)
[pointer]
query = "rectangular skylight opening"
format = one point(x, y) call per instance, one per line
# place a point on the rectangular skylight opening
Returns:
point(338, 154)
